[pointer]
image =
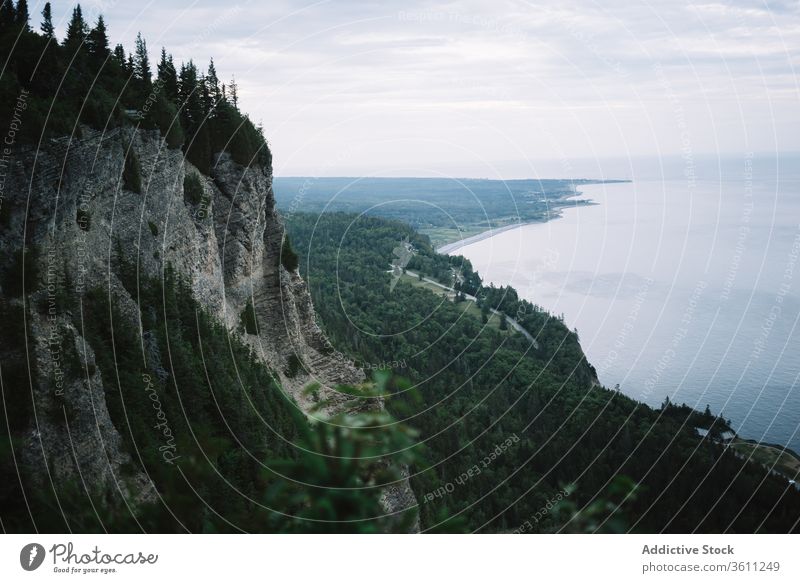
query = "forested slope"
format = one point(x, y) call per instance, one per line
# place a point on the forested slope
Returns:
point(511, 431)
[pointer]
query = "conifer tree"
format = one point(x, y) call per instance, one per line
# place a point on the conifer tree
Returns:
point(97, 41)
point(190, 109)
point(7, 14)
point(212, 82)
point(193, 117)
point(141, 63)
point(234, 91)
point(119, 56)
point(168, 77)
point(189, 97)
point(21, 17)
point(47, 21)
point(77, 29)
point(205, 97)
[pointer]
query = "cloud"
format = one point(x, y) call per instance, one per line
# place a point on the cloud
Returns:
point(501, 79)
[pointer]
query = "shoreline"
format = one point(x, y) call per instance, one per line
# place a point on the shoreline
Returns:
point(454, 246)
point(555, 213)
point(740, 439)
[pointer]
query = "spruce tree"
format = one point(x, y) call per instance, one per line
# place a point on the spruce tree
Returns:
point(205, 97)
point(141, 63)
point(234, 91)
point(119, 57)
point(47, 21)
point(168, 77)
point(97, 41)
point(188, 96)
point(7, 14)
point(77, 29)
point(21, 17)
point(212, 82)
point(193, 117)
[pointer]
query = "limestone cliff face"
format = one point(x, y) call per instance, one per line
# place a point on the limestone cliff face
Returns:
point(67, 199)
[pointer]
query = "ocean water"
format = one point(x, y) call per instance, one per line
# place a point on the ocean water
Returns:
point(686, 288)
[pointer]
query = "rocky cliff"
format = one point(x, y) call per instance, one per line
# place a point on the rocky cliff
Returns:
point(69, 201)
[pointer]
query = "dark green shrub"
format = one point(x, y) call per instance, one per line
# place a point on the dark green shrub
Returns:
point(198, 149)
point(153, 228)
point(293, 366)
point(132, 174)
point(163, 116)
point(288, 256)
point(192, 188)
point(248, 319)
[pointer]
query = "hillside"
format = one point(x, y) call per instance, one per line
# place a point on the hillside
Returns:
point(159, 339)
point(164, 369)
point(445, 209)
point(518, 436)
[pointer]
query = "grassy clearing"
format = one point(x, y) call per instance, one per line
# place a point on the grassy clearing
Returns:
point(769, 456)
point(444, 235)
point(469, 307)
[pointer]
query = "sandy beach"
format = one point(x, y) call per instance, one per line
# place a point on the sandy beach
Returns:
point(450, 247)
point(555, 212)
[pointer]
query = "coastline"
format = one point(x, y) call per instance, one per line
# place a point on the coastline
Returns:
point(555, 212)
point(456, 245)
point(776, 457)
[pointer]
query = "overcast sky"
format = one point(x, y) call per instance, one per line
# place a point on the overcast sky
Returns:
point(489, 88)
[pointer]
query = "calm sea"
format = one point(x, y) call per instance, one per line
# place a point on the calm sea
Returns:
point(684, 288)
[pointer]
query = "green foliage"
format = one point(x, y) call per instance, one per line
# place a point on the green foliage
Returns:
point(242, 139)
point(47, 21)
point(288, 257)
point(226, 449)
point(192, 188)
point(162, 114)
point(82, 82)
point(608, 513)
point(132, 172)
point(343, 468)
point(479, 387)
point(218, 402)
point(452, 209)
point(248, 319)
point(153, 228)
point(216, 125)
point(293, 366)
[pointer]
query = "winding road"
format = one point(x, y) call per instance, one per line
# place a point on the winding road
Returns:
point(512, 322)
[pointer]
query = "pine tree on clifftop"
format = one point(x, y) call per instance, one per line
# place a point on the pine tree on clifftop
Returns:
point(77, 29)
point(47, 22)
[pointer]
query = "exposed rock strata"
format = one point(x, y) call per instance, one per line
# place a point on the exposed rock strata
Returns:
point(67, 200)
